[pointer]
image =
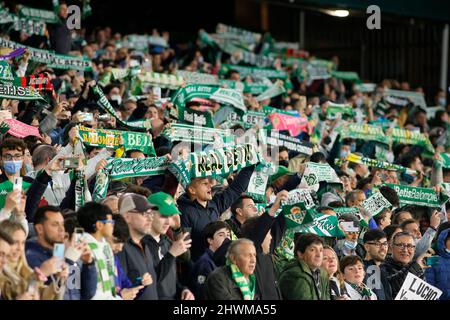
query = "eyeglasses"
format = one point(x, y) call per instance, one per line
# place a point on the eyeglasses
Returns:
point(9, 157)
point(147, 214)
point(107, 221)
point(378, 244)
point(404, 246)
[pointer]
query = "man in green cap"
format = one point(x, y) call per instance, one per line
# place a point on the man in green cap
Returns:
point(163, 250)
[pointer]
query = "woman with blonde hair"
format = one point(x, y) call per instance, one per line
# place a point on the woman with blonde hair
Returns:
point(331, 264)
point(18, 281)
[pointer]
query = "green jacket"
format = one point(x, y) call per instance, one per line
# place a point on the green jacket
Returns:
point(297, 283)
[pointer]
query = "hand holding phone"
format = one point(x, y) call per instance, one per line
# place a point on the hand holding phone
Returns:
point(58, 252)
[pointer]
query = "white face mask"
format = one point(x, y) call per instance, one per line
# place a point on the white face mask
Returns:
point(272, 198)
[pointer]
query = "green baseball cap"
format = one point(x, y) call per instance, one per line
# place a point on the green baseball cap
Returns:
point(282, 170)
point(164, 202)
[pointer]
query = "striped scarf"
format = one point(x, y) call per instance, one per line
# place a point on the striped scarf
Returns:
point(40, 82)
point(247, 287)
point(104, 262)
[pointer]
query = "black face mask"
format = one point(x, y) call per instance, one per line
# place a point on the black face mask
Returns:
point(283, 163)
point(64, 122)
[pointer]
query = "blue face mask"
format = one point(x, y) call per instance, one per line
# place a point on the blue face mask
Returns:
point(350, 244)
point(353, 147)
point(12, 167)
point(344, 153)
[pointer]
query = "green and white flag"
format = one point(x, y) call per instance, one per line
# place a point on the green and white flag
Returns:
point(19, 93)
point(249, 71)
point(258, 182)
point(275, 138)
point(346, 75)
point(297, 209)
point(188, 133)
point(418, 196)
point(197, 77)
point(116, 139)
point(364, 132)
point(6, 74)
point(351, 210)
point(162, 80)
point(375, 204)
point(376, 164)
point(403, 136)
point(317, 172)
point(324, 226)
point(416, 97)
point(210, 92)
point(275, 90)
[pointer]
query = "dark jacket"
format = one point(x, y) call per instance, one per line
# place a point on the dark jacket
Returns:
point(297, 283)
point(376, 280)
point(235, 227)
point(37, 254)
point(220, 286)
point(396, 273)
point(166, 271)
point(200, 271)
point(136, 260)
point(196, 217)
point(439, 274)
point(60, 38)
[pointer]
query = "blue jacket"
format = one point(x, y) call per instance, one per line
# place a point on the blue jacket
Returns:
point(37, 254)
point(196, 217)
point(202, 268)
point(439, 274)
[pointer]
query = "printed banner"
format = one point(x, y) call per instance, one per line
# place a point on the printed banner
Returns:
point(275, 138)
point(188, 133)
point(324, 226)
point(363, 132)
point(249, 71)
point(414, 288)
point(119, 168)
point(295, 125)
point(398, 135)
point(18, 93)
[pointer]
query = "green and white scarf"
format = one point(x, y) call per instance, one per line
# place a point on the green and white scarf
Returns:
point(53, 60)
point(345, 109)
point(364, 132)
point(197, 77)
point(317, 172)
point(242, 33)
point(19, 93)
point(6, 74)
point(324, 226)
point(416, 97)
point(188, 133)
point(115, 139)
point(22, 24)
point(39, 14)
point(162, 80)
point(249, 71)
point(195, 117)
point(418, 196)
point(275, 90)
point(346, 75)
point(366, 87)
point(210, 92)
point(247, 287)
point(376, 164)
point(103, 102)
point(375, 204)
point(258, 182)
point(403, 136)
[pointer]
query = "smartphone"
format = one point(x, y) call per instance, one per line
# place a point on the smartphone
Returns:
point(71, 163)
point(32, 286)
point(58, 251)
point(431, 261)
point(86, 117)
point(104, 117)
point(349, 226)
point(17, 184)
point(78, 235)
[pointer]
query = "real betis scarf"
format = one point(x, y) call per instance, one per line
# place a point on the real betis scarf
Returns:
point(375, 204)
point(210, 92)
point(346, 75)
point(249, 71)
point(351, 210)
point(258, 182)
point(40, 82)
point(273, 137)
point(416, 97)
point(275, 90)
point(80, 186)
point(298, 209)
point(116, 139)
point(162, 80)
point(244, 34)
point(398, 135)
point(197, 78)
point(103, 102)
point(418, 196)
point(364, 132)
point(53, 60)
point(188, 133)
point(445, 160)
point(345, 109)
point(18, 93)
point(323, 226)
point(195, 117)
point(366, 87)
point(376, 164)
point(214, 163)
point(317, 172)
point(363, 290)
point(105, 267)
point(247, 287)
